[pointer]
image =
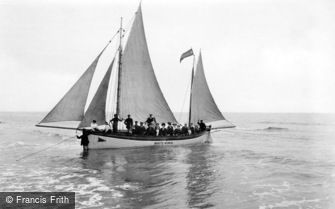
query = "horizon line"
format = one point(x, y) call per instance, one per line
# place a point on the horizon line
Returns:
point(265, 112)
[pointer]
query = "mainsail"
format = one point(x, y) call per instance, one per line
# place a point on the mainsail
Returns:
point(140, 94)
point(203, 104)
point(97, 108)
point(72, 106)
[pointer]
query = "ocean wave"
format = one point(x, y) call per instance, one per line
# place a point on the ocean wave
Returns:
point(51, 134)
point(295, 123)
point(274, 128)
point(18, 144)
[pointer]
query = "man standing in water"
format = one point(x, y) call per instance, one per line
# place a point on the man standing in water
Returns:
point(115, 122)
point(84, 139)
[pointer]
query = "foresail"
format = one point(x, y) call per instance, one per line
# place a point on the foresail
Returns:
point(203, 104)
point(97, 108)
point(140, 94)
point(71, 107)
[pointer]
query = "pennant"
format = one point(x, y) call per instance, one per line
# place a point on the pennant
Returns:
point(186, 54)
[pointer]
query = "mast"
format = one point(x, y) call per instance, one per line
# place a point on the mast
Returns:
point(119, 72)
point(189, 112)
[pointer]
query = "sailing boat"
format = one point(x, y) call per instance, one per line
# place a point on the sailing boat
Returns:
point(137, 93)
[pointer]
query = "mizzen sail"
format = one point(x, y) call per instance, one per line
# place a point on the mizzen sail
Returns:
point(203, 104)
point(97, 108)
point(140, 93)
point(72, 106)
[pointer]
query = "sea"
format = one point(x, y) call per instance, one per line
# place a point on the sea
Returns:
point(269, 161)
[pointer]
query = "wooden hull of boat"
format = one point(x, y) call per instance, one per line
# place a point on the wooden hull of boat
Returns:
point(100, 141)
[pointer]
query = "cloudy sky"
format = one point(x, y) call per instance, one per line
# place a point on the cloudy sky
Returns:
point(259, 55)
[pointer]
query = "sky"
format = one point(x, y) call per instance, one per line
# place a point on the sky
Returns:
point(258, 55)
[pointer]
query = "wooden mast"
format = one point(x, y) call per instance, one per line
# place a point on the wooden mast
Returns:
point(119, 72)
point(189, 112)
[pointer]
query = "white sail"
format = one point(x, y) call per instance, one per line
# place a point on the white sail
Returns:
point(203, 106)
point(97, 108)
point(140, 94)
point(72, 106)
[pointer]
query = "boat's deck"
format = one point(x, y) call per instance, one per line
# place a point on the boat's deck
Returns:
point(125, 135)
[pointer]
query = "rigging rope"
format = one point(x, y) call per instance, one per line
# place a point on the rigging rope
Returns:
point(114, 36)
point(28, 155)
point(182, 107)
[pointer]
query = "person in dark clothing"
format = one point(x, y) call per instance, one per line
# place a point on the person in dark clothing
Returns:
point(115, 122)
point(136, 128)
point(169, 129)
point(202, 125)
point(177, 131)
point(192, 128)
point(163, 130)
point(184, 130)
point(129, 124)
point(84, 139)
point(141, 129)
point(150, 120)
point(151, 131)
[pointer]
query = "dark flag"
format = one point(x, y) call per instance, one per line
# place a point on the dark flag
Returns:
point(186, 54)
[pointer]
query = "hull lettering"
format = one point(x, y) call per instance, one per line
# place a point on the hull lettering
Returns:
point(163, 143)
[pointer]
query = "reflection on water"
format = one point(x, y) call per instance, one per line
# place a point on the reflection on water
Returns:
point(156, 177)
point(200, 177)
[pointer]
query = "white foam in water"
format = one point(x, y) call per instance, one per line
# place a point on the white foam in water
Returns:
point(97, 184)
point(128, 186)
point(289, 203)
point(16, 144)
point(68, 176)
point(93, 201)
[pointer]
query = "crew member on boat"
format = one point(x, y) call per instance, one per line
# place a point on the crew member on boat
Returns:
point(151, 131)
point(169, 129)
point(177, 130)
point(129, 124)
point(115, 122)
point(163, 130)
point(157, 128)
point(136, 128)
point(196, 128)
point(141, 129)
point(202, 125)
point(150, 120)
point(192, 128)
point(107, 129)
point(94, 125)
point(184, 130)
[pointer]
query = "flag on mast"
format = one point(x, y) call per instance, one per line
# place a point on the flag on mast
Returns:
point(186, 54)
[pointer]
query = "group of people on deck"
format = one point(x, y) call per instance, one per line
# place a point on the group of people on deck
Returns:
point(149, 128)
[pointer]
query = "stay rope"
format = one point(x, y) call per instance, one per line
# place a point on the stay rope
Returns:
point(184, 100)
point(34, 153)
